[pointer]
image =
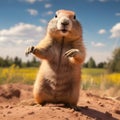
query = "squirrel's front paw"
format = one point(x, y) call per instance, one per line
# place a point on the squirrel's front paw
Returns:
point(71, 53)
point(29, 50)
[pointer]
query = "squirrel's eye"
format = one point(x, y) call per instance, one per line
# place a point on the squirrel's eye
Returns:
point(74, 17)
point(55, 16)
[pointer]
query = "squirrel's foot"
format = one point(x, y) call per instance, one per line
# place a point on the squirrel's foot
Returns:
point(29, 50)
point(72, 53)
point(74, 107)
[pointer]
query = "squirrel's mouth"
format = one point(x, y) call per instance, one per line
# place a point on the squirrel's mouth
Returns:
point(64, 31)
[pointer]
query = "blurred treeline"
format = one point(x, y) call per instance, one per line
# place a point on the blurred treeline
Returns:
point(8, 61)
point(112, 65)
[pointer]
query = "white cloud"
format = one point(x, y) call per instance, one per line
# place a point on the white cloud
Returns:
point(40, 0)
point(44, 21)
point(98, 0)
point(115, 31)
point(48, 5)
point(15, 40)
point(32, 12)
point(117, 14)
point(21, 34)
point(103, 0)
point(49, 13)
point(99, 56)
point(97, 44)
point(30, 1)
point(102, 31)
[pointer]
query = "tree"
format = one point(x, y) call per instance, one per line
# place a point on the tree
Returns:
point(114, 62)
point(101, 65)
point(91, 63)
point(17, 61)
point(1, 62)
point(28, 64)
point(7, 62)
point(85, 65)
point(34, 62)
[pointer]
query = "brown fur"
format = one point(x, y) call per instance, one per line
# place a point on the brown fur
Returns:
point(62, 54)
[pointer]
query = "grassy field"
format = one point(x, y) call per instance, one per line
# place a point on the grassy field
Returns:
point(17, 75)
point(91, 78)
point(99, 78)
point(101, 82)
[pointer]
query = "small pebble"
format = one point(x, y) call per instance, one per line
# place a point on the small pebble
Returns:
point(117, 111)
point(11, 107)
point(76, 114)
point(66, 118)
point(85, 107)
point(88, 102)
point(9, 112)
point(6, 106)
point(102, 105)
point(58, 108)
point(22, 117)
point(72, 110)
point(1, 107)
point(31, 113)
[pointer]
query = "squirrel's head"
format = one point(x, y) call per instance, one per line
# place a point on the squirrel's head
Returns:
point(65, 24)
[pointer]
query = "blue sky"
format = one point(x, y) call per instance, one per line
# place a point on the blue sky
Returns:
point(23, 23)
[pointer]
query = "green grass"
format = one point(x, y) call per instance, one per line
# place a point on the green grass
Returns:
point(99, 79)
point(17, 75)
point(91, 78)
point(93, 72)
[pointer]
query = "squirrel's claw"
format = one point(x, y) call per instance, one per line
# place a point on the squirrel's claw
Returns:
point(29, 50)
point(71, 53)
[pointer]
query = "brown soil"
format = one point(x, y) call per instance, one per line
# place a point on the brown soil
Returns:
point(16, 103)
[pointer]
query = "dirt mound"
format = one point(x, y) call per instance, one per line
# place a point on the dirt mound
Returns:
point(16, 103)
point(9, 92)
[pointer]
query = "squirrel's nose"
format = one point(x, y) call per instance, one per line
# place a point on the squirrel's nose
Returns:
point(65, 22)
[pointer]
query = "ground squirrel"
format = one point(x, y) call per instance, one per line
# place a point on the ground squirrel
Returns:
point(62, 53)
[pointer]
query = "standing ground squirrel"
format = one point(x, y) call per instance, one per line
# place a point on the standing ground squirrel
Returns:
point(62, 53)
